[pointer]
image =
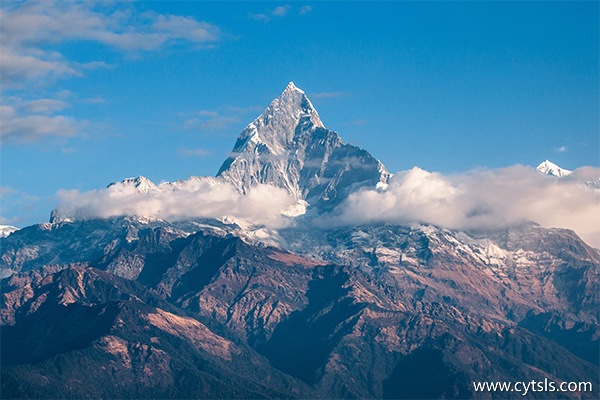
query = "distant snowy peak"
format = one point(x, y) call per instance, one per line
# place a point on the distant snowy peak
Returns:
point(289, 147)
point(6, 230)
point(549, 168)
point(143, 185)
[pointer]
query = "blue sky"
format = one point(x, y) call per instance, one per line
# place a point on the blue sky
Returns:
point(96, 92)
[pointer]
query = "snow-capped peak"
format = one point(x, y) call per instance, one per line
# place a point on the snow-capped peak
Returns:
point(549, 168)
point(289, 147)
point(292, 87)
point(142, 184)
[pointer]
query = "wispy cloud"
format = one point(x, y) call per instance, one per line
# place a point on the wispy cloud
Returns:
point(31, 58)
point(30, 29)
point(245, 110)
point(209, 124)
point(561, 149)
point(94, 100)
point(279, 12)
point(44, 106)
point(208, 113)
point(328, 95)
point(32, 121)
point(16, 203)
point(304, 10)
point(194, 152)
point(217, 120)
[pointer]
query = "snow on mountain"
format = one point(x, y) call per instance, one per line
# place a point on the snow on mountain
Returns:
point(284, 160)
point(6, 230)
point(141, 184)
point(289, 147)
point(190, 184)
point(549, 168)
point(374, 309)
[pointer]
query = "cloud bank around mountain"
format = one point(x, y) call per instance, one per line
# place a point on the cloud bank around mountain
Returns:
point(486, 199)
point(195, 198)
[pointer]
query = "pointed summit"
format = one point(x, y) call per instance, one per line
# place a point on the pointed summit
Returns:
point(289, 147)
point(291, 87)
point(549, 168)
point(141, 184)
point(275, 129)
point(293, 104)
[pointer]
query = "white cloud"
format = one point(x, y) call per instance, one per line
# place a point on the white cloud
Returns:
point(20, 65)
point(480, 200)
point(216, 120)
point(304, 10)
point(17, 127)
point(487, 199)
point(195, 198)
point(28, 29)
point(31, 120)
point(45, 105)
point(277, 12)
point(561, 149)
point(280, 11)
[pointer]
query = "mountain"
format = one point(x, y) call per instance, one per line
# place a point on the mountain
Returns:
point(549, 168)
point(138, 307)
point(91, 334)
point(288, 146)
point(349, 318)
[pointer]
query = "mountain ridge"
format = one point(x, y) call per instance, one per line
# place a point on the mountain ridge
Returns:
point(202, 307)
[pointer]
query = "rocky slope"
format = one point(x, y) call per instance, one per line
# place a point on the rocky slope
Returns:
point(85, 333)
point(353, 327)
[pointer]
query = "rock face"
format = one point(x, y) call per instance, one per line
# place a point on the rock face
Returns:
point(372, 312)
point(288, 146)
point(143, 308)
